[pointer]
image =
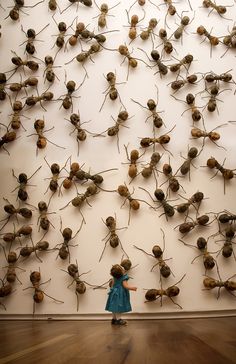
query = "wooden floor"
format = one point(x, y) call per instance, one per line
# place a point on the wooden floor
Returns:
point(180, 341)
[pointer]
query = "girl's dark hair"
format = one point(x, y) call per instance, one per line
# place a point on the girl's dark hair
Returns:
point(117, 271)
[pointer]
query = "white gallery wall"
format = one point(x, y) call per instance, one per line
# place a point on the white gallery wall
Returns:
point(100, 153)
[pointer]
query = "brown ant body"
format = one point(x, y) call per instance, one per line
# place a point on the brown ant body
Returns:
point(19, 62)
point(173, 183)
point(64, 250)
point(191, 102)
point(39, 125)
point(3, 81)
point(114, 130)
point(83, 56)
point(14, 13)
point(150, 168)
point(185, 62)
point(5, 290)
point(38, 296)
point(102, 17)
point(178, 84)
point(43, 220)
point(11, 259)
point(48, 72)
point(80, 286)
point(227, 248)
point(18, 86)
point(17, 107)
point(152, 107)
point(132, 62)
point(133, 22)
point(77, 2)
point(226, 173)
point(195, 198)
point(111, 90)
point(33, 100)
point(172, 291)
point(230, 40)
point(186, 227)
point(208, 260)
point(11, 210)
point(149, 31)
point(40, 246)
point(211, 283)
point(23, 180)
point(52, 5)
point(112, 236)
point(134, 156)
point(157, 253)
point(213, 136)
point(220, 9)
point(184, 22)
point(31, 35)
point(185, 167)
point(214, 41)
point(56, 170)
point(162, 140)
point(81, 133)
point(67, 98)
point(81, 197)
point(10, 237)
point(167, 45)
point(134, 204)
point(162, 68)
point(67, 183)
point(8, 137)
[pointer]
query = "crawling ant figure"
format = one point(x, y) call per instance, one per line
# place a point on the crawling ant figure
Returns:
point(134, 156)
point(80, 27)
point(74, 167)
point(178, 84)
point(15, 123)
point(185, 167)
point(186, 227)
point(67, 98)
point(14, 13)
point(5, 290)
point(162, 68)
point(84, 2)
point(190, 101)
point(185, 62)
point(132, 62)
point(39, 125)
point(112, 236)
point(229, 285)
point(11, 210)
point(208, 261)
point(56, 170)
point(173, 183)
point(97, 179)
point(157, 253)
point(11, 259)
point(212, 136)
point(25, 231)
point(81, 197)
point(43, 220)
point(133, 22)
point(230, 40)
point(64, 250)
point(40, 246)
point(171, 9)
point(152, 107)
point(167, 45)
point(227, 248)
point(80, 286)
point(151, 166)
point(83, 56)
point(195, 198)
point(220, 9)
point(52, 5)
point(114, 130)
point(111, 90)
point(31, 35)
point(226, 217)
point(162, 140)
point(81, 133)
point(8, 137)
point(19, 62)
point(149, 31)
point(172, 291)
point(48, 72)
point(33, 100)
point(60, 40)
point(169, 210)
point(214, 41)
point(23, 180)
point(226, 173)
point(102, 17)
point(134, 204)
point(18, 86)
point(213, 77)
point(35, 278)
point(3, 81)
point(184, 22)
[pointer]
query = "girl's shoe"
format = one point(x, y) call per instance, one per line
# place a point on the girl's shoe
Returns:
point(114, 322)
point(121, 322)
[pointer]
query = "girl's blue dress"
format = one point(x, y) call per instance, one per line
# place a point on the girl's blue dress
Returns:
point(118, 296)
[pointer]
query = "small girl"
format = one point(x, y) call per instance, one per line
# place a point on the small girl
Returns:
point(118, 297)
